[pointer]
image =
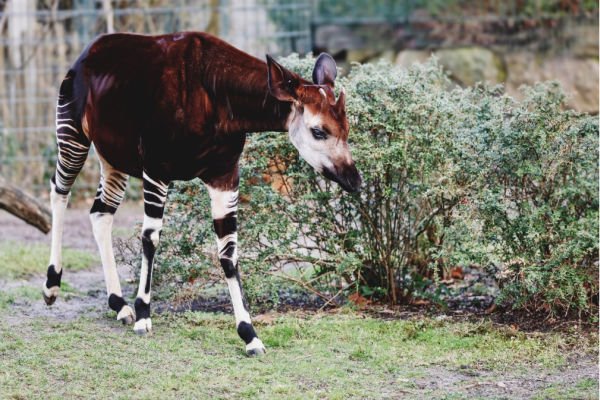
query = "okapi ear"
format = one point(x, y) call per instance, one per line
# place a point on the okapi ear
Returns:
point(282, 83)
point(325, 70)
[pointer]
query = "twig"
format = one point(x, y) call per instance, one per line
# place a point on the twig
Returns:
point(301, 284)
point(330, 300)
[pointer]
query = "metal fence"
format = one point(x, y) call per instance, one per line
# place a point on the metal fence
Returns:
point(38, 45)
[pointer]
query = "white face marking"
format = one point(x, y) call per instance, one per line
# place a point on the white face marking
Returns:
point(320, 154)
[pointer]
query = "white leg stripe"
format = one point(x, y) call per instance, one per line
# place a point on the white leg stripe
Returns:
point(256, 343)
point(51, 292)
point(59, 206)
point(221, 247)
point(241, 315)
point(102, 229)
point(159, 185)
point(222, 202)
point(58, 126)
point(64, 105)
point(156, 225)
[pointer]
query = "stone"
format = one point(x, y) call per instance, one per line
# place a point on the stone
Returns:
point(577, 76)
point(466, 65)
point(361, 55)
point(469, 65)
point(406, 58)
point(583, 39)
point(336, 38)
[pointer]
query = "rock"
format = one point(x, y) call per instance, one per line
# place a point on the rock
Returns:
point(577, 76)
point(361, 55)
point(406, 58)
point(466, 65)
point(583, 40)
point(469, 65)
point(388, 55)
point(335, 38)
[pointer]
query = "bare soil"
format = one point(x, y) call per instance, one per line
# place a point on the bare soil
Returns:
point(88, 295)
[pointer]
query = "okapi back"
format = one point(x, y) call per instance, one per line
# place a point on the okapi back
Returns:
point(179, 105)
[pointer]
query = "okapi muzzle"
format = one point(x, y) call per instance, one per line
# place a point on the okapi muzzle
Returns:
point(346, 176)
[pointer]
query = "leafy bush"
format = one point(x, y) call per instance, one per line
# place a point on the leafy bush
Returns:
point(540, 202)
point(452, 177)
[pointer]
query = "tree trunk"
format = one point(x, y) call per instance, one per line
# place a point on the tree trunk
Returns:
point(19, 203)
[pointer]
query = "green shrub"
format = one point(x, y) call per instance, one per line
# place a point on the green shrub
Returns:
point(452, 177)
point(539, 202)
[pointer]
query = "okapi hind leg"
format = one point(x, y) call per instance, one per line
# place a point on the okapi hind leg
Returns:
point(111, 191)
point(224, 212)
point(73, 148)
point(155, 197)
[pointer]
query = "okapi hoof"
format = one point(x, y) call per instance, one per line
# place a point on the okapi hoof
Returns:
point(126, 315)
point(143, 327)
point(49, 300)
point(255, 352)
point(255, 348)
point(50, 294)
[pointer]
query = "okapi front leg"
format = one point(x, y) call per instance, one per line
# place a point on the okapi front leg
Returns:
point(155, 196)
point(224, 213)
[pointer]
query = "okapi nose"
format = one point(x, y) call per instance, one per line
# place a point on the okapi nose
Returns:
point(352, 178)
point(346, 176)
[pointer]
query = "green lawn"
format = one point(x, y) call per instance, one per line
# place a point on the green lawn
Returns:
point(341, 356)
point(78, 351)
point(20, 261)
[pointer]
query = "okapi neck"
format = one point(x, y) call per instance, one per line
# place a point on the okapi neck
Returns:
point(241, 94)
point(254, 112)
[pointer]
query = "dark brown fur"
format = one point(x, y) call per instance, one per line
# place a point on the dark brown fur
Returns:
point(176, 105)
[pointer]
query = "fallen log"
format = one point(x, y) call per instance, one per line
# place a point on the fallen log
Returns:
point(24, 206)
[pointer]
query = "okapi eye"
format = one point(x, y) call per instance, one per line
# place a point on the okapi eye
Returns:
point(318, 134)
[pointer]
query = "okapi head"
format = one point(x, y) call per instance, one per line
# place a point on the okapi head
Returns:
point(317, 124)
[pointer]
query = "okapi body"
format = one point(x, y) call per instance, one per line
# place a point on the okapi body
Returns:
point(177, 107)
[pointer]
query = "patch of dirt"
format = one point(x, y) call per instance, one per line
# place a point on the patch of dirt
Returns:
point(474, 382)
point(88, 291)
point(77, 231)
point(288, 300)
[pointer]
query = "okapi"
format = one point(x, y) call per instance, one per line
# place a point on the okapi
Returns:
point(178, 107)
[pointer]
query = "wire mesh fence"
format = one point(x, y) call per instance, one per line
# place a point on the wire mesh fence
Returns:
point(37, 46)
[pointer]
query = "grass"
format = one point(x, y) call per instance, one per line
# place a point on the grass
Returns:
point(21, 261)
point(198, 355)
point(584, 389)
point(26, 294)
